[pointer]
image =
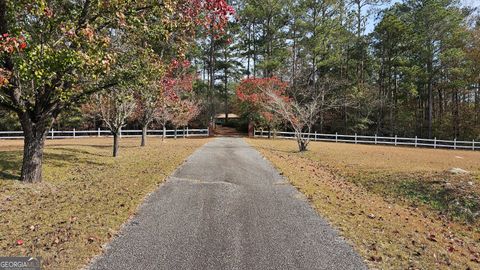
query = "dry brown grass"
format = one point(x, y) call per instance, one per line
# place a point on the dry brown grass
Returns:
point(396, 159)
point(389, 201)
point(85, 197)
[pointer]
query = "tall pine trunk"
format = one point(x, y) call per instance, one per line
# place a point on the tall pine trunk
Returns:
point(34, 142)
point(225, 86)
point(211, 72)
point(430, 109)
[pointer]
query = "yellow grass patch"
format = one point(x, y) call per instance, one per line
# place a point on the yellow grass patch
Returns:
point(85, 197)
point(389, 201)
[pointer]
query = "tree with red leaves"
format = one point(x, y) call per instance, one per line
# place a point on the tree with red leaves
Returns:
point(176, 103)
point(253, 96)
point(301, 111)
point(208, 16)
point(55, 54)
point(266, 99)
point(184, 112)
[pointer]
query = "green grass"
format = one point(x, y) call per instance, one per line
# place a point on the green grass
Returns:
point(453, 201)
point(85, 197)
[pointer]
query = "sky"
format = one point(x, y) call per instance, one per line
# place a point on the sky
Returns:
point(372, 21)
point(472, 3)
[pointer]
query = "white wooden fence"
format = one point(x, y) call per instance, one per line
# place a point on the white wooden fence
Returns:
point(72, 134)
point(361, 139)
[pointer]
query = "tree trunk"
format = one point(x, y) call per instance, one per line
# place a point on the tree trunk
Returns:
point(302, 145)
point(144, 136)
point(456, 114)
point(249, 52)
point(430, 109)
point(115, 143)
point(34, 142)
point(175, 134)
point(477, 104)
point(254, 42)
point(294, 58)
point(211, 76)
point(225, 81)
point(164, 133)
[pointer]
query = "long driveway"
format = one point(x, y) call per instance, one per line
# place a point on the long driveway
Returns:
point(227, 208)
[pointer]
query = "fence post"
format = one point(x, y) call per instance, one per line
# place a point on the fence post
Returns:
point(415, 141)
point(435, 142)
point(315, 135)
point(355, 138)
point(395, 140)
point(473, 144)
point(336, 136)
point(74, 133)
point(98, 132)
point(187, 131)
point(53, 131)
point(375, 138)
point(455, 144)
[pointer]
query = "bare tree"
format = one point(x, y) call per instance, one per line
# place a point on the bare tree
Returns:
point(114, 108)
point(147, 99)
point(301, 117)
point(303, 110)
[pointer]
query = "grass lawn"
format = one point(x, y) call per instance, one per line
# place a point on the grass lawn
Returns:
point(400, 207)
point(85, 197)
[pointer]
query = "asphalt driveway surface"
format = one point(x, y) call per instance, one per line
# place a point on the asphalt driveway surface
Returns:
point(227, 208)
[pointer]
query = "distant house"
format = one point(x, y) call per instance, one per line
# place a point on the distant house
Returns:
point(220, 118)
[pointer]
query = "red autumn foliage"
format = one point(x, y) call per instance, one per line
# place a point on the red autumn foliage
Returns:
point(211, 14)
point(10, 45)
point(256, 93)
point(178, 80)
point(175, 105)
point(254, 90)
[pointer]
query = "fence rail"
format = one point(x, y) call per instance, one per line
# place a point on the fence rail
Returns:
point(361, 139)
point(69, 134)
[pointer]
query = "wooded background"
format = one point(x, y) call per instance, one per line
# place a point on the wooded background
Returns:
point(409, 68)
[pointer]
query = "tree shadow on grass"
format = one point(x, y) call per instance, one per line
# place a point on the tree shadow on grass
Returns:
point(11, 161)
point(80, 151)
point(70, 156)
point(98, 146)
point(286, 151)
point(451, 200)
point(10, 164)
point(111, 146)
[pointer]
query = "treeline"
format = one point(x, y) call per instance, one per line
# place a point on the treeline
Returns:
point(416, 73)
